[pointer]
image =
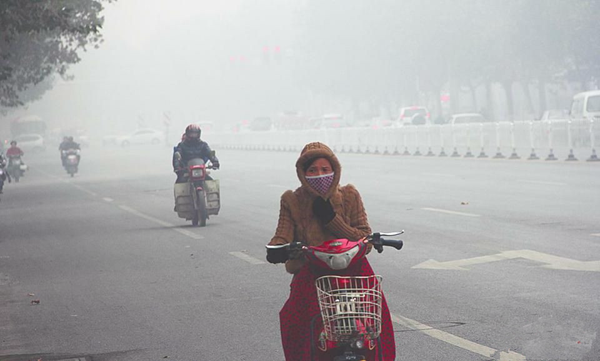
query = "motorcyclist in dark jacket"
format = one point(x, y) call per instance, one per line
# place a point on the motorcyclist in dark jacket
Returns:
point(189, 148)
point(68, 143)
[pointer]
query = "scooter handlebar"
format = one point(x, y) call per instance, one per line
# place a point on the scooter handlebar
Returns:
point(397, 244)
point(282, 252)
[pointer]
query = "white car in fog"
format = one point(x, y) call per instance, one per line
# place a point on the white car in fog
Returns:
point(415, 115)
point(141, 136)
point(466, 118)
point(31, 143)
point(554, 115)
point(586, 105)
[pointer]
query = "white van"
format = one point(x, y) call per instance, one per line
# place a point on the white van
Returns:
point(586, 105)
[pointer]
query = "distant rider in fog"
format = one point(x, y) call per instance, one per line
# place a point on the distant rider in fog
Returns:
point(14, 152)
point(3, 174)
point(189, 148)
point(68, 143)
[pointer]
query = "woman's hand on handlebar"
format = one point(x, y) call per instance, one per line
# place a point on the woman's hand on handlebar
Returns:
point(277, 255)
point(284, 252)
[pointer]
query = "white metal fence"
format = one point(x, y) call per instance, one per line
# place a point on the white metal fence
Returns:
point(560, 140)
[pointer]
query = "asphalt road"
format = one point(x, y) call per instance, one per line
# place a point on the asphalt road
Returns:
point(515, 244)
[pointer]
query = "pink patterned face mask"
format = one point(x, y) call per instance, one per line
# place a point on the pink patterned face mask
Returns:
point(321, 183)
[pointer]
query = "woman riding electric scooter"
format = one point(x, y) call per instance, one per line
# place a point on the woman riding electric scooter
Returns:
point(319, 210)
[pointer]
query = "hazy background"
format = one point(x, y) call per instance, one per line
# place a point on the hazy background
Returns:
point(234, 60)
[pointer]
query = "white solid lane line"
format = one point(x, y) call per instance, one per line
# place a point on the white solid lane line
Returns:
point(185, 232)
point(247, 258)
point(595, 234)
point(543, 182)
point(457, 341)
point(451, 212)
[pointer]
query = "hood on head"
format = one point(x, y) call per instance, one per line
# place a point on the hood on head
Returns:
point(311, 152)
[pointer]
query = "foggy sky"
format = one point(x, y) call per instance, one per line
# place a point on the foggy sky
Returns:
point(172, 56)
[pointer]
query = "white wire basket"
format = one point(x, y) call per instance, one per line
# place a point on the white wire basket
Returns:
point(350, 306)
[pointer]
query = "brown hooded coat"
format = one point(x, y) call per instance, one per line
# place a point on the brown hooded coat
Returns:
point(297, 222)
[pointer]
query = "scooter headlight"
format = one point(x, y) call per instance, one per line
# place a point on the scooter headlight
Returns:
point(338, 261)
point(359, 344)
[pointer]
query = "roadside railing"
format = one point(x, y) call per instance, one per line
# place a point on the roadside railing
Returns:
point(568, 139)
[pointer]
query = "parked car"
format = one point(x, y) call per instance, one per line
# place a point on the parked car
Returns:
point(31, 142)
point(378, 123)
point(415, 115)
point(291, 120)
point(110, 139)
point(328, 121)
point(83, 140)
point(466, 118)
point(554, 115)
point(261, 124)
point(206, 127)
point(141, 136)
point(586, 105)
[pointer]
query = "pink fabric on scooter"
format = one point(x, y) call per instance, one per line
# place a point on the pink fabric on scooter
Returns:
point(302, 305)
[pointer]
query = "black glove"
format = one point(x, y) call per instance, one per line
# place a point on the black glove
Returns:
point(216, 164)
point(277, 255)
point(296, 250)
point(323, 210)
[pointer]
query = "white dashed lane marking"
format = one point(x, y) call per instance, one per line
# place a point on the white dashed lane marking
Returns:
point(451, 212)
point(94, 194)
point(247, 258)
point(438, 175)
point(185, 232)
point(543, 183)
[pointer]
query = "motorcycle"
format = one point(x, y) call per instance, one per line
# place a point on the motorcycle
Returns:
point(199, 196)
point(71, 160)
point(350, 306)
point(15, 168)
